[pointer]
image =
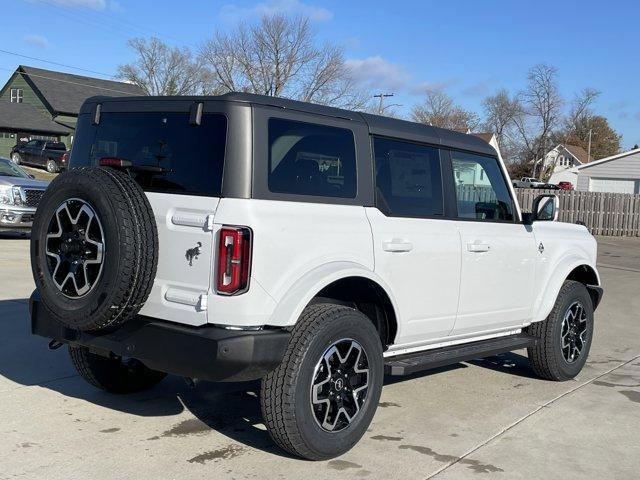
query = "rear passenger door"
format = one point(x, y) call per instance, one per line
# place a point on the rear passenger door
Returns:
point(416, 247)
point(498, 251)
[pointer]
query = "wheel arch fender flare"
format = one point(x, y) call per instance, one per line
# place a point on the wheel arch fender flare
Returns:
point(294, 301)
point(561, 272)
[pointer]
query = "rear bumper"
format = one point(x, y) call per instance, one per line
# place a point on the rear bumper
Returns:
point(16, 218)
point(207, 353)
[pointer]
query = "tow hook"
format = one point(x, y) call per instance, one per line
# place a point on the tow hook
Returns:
point(54, 345)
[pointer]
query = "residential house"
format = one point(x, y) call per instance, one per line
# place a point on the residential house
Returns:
point(44, 104)
point(476, 175)
point(562, 161)
point(617, 174)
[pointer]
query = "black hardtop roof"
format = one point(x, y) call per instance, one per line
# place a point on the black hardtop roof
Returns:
point(377, 124)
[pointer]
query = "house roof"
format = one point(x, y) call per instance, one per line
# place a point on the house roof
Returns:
point(608, 159)
point(26, 117)
point(578, 152)
point(486, 136)
point(65, 92)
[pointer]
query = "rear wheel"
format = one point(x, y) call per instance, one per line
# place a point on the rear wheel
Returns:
point(52, 166)
point(113, 374)
point(564, 338)
point(321, 399)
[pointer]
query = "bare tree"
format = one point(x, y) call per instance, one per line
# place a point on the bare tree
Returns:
point(163, 70)
point(439, 110)
point(500, 110)
point(279, 57)
point(540, 114)
point(580, 109)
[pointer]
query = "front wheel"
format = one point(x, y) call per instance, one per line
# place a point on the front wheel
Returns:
point(321, 399)
point(113, 374)
point(564, 338)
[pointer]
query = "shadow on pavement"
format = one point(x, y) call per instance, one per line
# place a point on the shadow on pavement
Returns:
point(510, 362)
point(232, 409)
point(10, 235)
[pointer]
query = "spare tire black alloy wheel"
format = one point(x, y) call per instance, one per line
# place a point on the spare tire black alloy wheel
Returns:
point(75, 246)
point(339, 387)
point(94, 248)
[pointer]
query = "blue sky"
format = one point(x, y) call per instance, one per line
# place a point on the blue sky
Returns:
point(467, 48)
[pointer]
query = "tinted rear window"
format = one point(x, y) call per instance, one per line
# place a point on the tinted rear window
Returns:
point(168, 154)
point(55, 146)
point(311, 159)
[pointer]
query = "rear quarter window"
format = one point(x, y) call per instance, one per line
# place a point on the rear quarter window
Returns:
point(311, 159)
point(167, 153)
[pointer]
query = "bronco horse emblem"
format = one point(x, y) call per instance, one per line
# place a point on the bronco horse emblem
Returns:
point(193, 253)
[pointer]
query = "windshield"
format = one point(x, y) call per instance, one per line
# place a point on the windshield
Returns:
point(10, 169)
point(163, 151)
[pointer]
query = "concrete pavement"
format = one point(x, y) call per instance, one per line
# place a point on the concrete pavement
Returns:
point(488, 418)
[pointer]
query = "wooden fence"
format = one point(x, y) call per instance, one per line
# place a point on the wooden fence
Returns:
point(616, 214)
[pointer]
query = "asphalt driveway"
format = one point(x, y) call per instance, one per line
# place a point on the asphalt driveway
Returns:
point(488, 418)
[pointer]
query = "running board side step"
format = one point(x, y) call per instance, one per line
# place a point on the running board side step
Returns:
point(440, 357)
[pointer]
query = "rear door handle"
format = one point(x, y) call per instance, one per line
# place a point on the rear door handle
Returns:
point(396, 245)
point(478, 247)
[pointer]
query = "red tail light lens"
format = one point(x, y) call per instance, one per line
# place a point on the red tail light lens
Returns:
point(114, 162)
point(234, 260)
point(64, 157)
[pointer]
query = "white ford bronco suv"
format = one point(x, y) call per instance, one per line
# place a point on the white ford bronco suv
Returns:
point(242, 237)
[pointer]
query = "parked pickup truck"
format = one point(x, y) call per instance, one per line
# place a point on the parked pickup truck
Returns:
point(243, 237)
point(41, 153)
point(19, 197)
point(528, 182)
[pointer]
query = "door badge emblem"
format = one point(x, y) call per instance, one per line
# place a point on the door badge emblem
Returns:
point(541, 247)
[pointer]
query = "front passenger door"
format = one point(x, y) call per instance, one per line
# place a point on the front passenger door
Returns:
point(498, 251)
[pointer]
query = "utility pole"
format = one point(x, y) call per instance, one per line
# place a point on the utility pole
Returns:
point(382, 96)
point(589, 149)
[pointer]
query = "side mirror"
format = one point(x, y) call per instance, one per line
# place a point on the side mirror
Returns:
point(545, 208)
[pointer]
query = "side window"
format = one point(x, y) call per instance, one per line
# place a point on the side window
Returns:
point(481, 190)
point(408, 179)
point(311, 159)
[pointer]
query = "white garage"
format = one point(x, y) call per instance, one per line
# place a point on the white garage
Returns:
point(616, 174)
point(613, 185)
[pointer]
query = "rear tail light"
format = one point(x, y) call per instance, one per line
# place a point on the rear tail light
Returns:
point(114, 162)
point(234, 260)
point(64, 157)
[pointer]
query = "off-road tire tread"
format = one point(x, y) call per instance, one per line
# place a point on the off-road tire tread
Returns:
point(277, 396)
point(542, 356)
point(114, 382)
point(139, 241)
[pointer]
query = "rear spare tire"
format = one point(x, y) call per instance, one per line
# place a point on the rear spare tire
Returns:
point(94, 248)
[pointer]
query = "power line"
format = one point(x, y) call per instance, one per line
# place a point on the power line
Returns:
point(55, 63)
point(102, 20)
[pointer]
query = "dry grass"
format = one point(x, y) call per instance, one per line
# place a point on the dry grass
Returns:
point(39, 173)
